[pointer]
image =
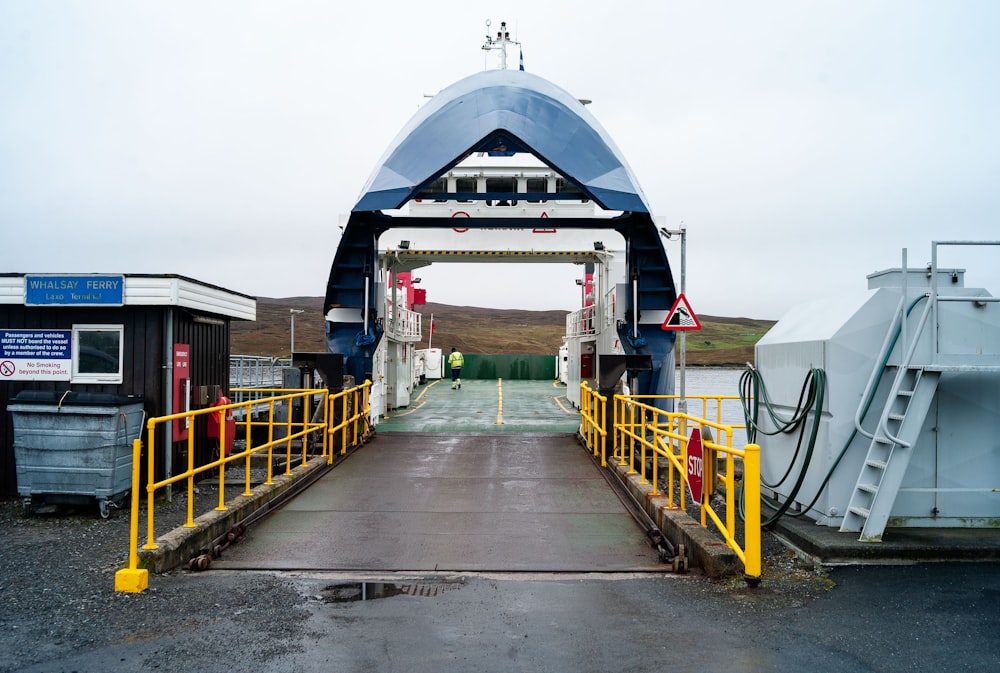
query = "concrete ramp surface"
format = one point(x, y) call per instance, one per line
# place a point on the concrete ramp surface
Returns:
point(504, 502)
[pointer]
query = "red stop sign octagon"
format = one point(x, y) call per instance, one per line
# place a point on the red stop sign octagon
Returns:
point(696, 466)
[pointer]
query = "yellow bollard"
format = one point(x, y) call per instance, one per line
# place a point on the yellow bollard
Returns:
point(751, 490)
point(133, 579)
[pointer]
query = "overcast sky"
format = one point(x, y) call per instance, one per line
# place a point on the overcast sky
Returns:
point(802, 144)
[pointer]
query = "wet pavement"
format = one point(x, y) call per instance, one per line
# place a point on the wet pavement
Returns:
point(936, 617)
point(472, 502)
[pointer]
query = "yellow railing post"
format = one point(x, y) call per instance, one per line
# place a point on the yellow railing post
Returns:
point(222, 462)
point(133, 579)
point(189, 523)
point(150, 480)
point(343, 425)
point(751, 496)
point(270, 440)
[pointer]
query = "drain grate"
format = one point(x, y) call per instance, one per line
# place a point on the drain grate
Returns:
point(347, 592)
point(425, 590)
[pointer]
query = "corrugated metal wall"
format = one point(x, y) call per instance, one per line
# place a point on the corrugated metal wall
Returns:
point(209, 367)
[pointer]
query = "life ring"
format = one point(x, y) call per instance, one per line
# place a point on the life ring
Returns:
point(460, 213)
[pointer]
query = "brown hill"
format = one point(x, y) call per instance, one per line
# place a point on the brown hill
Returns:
point(721, 341)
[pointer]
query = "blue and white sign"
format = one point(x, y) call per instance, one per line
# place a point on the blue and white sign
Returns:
point(85, 290)
point(36, 355)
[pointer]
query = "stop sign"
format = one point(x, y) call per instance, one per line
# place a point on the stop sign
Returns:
point(696, 466)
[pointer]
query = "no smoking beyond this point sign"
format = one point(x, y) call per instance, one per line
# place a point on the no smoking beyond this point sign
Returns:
point(35, 355)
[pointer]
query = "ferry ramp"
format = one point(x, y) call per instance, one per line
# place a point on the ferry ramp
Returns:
point(489, 477)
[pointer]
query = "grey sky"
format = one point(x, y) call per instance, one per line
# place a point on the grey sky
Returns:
point(803, 144)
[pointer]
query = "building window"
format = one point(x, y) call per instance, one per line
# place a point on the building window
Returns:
point(97, 353)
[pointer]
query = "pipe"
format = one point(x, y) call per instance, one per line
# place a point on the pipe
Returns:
point(635, 306)
point(367, 290)
point(168, 395)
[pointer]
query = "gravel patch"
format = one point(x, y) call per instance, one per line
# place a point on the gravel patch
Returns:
point(57, 575)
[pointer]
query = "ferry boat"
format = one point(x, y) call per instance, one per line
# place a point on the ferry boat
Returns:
point(503, 166)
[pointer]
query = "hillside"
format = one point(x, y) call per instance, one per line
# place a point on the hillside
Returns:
point(721, 341)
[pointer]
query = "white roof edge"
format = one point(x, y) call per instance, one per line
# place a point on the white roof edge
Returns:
point(157, 290)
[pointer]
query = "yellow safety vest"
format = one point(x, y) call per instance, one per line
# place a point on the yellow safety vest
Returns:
point(456, 360)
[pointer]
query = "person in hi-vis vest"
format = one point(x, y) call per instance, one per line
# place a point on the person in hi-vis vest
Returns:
point(455, 361)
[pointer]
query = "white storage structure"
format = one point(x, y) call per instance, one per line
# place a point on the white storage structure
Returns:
point(916, 359)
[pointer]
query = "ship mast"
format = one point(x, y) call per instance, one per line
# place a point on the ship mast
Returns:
point(500, 42)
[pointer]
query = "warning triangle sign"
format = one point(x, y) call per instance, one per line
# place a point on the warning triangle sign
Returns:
point(681, 316)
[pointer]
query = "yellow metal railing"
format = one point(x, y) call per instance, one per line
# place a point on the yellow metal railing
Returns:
point(644, 436)
point(593, 407)
point(647, 435)
point(350, 428)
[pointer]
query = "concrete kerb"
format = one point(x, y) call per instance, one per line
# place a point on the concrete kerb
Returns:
point(180, 545)
point(705, 551)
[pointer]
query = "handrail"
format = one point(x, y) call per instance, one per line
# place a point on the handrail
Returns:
point(253, 371)
point(581, 322)
point(352, 426)
point(645, 433)
point(899, 317)
point(401, 323)
point(903, 366)
point(592, 421)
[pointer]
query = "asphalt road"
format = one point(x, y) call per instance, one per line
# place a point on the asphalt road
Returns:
point(935, 617)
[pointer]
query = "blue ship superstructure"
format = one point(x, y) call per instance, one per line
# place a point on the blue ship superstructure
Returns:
point(502, 113)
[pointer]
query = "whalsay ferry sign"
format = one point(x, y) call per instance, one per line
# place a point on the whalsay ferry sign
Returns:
point(83, 290)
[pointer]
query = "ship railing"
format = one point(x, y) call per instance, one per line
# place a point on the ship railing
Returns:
point(403, 324)
point(581, 322)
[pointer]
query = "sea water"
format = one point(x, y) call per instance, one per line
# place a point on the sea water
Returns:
point(714, 381)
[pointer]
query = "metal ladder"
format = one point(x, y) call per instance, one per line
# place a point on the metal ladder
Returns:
point(910, 398)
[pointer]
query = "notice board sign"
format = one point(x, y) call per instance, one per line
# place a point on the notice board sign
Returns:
point(36, 355)
point(182, 389)
point(81, 290)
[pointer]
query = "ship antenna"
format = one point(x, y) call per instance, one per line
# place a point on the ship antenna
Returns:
point(500, 42)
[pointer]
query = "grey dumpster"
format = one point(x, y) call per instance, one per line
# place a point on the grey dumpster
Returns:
point(74, 448)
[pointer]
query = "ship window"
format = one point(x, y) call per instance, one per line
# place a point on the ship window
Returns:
point(568, 191)
point(438, 186)
point(465, 185)
point(536, 186)
point(501, 185)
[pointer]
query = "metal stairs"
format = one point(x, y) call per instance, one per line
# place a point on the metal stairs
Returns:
point(648, 261)
point(910, 397)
